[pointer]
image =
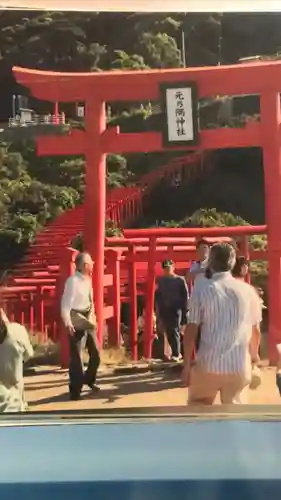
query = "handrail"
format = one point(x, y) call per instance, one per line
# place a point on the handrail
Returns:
point(49, 119)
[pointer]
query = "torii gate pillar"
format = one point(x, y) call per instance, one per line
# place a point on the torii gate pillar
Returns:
point(270, 122)
point(95, 200)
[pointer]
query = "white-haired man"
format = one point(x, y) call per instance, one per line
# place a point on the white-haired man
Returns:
point(229, 315)
point(77, 311)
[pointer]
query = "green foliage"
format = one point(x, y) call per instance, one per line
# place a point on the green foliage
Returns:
point(117, 173)
point(27, 203)
point(111, 230)
point(52, 41)
point(212, 218)
point(160, 50)
point(128, 62)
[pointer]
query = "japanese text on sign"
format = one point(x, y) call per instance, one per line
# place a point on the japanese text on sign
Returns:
point(179, 114)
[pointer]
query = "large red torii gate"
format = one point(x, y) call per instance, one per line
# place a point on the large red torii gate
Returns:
point(95, 89)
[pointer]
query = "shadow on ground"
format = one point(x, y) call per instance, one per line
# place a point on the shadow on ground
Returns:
point(119, 387)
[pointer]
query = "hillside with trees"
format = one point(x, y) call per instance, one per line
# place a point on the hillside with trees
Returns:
point(35, 190)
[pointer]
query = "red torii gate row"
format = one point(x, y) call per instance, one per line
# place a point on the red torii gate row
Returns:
point(95, 89)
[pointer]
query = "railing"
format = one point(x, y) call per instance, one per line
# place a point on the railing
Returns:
point(49, 119)
point(131, 267)
point(144, 251)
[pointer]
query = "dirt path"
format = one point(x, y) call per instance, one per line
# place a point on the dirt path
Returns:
point(47, 390)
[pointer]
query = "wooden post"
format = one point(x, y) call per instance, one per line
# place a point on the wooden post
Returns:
point(133, 302)
point(113, 258)
point(95, 200)
point(149, 299)
point(270, 122)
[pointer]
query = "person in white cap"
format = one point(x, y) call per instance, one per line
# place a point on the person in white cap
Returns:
point(15, 349)
point(78, 315)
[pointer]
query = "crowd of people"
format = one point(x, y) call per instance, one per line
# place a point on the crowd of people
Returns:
point(219, 321)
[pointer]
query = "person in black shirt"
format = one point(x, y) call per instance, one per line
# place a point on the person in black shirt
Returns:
point(172, 305)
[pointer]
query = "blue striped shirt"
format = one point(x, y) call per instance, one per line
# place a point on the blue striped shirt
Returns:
point(226, 309)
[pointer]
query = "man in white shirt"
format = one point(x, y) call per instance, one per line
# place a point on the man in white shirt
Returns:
point(78, 298)
point(227, 311)
point(199, 266)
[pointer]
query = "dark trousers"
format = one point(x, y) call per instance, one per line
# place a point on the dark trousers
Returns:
point(77, 377)
point(171, 323)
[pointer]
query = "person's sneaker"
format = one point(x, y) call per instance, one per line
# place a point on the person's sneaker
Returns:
point(176, 359)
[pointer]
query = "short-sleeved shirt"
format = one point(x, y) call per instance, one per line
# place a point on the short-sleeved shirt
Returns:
point(226, 310)
point(197, 266)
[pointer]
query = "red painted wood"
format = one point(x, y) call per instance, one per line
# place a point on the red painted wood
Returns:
point(150, 293)
point(95, 201)
point(249, 136)
point(108, 280)
point(253, 78)
point(72, 144)
point(133, 302)
point(271, 122)
point(108, 312)
point(163, 232)
point(114, 297)
point(162, 241)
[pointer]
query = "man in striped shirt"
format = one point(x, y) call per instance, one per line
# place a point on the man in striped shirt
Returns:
point(226, 310)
